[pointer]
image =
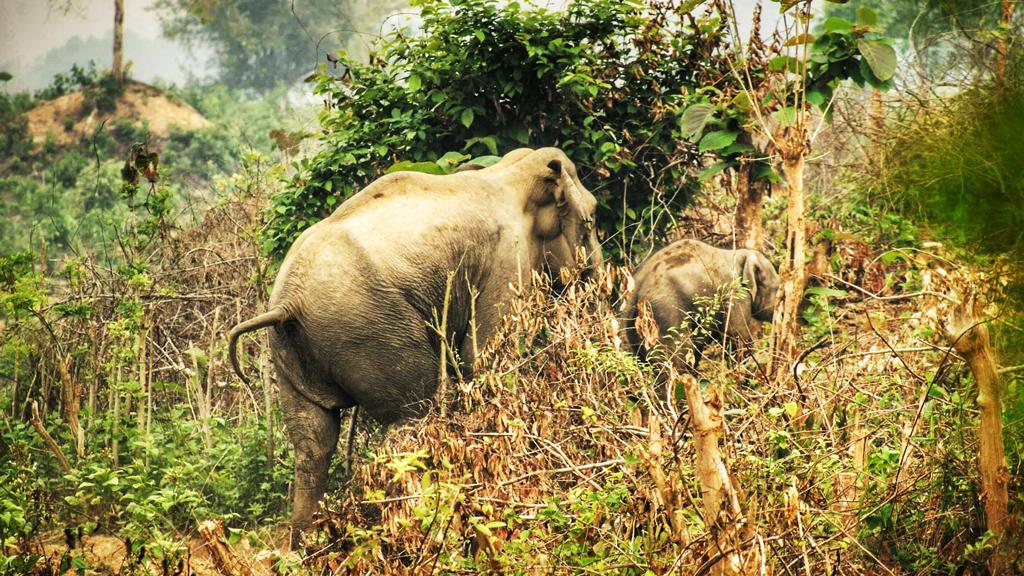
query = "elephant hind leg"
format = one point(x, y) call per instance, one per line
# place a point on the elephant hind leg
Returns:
point(313, 431)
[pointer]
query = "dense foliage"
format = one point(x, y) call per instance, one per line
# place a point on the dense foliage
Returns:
point(605, 81)
point(259, 45)
point(956, 163)
point(69, 196)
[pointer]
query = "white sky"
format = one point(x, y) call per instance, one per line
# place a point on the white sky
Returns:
point(30, 28)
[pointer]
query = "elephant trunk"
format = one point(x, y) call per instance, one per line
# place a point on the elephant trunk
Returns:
point(268, 318)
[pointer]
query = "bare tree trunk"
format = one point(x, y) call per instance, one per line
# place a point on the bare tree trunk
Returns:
point(793, 275)
point(144, 399)
point(722, 513)
point(117, 68)
point(1001, 47)
point(37, 423)
point(969, 336)
point(71, 400)
point(749, 200)
point(115, 391)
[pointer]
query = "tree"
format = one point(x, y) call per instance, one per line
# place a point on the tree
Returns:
point(117, 58)
point(770, 97)
point(945, 36)
point(117, 66)
point(258, 44)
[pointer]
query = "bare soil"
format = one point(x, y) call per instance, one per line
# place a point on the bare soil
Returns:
point(139, 103)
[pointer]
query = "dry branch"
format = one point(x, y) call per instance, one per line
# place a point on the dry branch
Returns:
point(224, 558)
point(37, 423)
point(968, 333)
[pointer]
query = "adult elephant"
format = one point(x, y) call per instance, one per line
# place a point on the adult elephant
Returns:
point(697, 293)
point(354, 310)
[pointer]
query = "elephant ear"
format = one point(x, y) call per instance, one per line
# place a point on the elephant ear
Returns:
point(548, 199)
point(750, 276)
point(550, 188)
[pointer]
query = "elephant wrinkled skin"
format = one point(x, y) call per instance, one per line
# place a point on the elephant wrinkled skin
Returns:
point(354, 306)
point(680, 281)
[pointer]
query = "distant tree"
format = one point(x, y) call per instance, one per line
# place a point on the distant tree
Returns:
point(259, 44)
point(945, 35)
point(117, 65)
point(117, 61)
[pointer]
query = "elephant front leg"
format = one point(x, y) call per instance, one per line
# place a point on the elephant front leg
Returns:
point(313, 431)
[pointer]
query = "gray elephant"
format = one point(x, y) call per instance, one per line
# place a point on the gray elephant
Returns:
point(354, 309)
point(697, 293)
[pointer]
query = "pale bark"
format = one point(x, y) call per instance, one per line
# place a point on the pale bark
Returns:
point(722, 513)
point(667, 493)
point(793, 273)
point(71, 401)
point(224, 558)
point(117, 68)
point(749, 201)
point(969, 334)
point(37, 423)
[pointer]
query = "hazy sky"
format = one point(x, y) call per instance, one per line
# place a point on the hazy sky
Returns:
point(30, 29)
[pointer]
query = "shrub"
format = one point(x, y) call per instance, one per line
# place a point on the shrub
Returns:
point(604, 81)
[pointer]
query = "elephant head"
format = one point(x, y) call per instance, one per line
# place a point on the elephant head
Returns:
point(761, 281)
point(564, 215)
point(677, 281)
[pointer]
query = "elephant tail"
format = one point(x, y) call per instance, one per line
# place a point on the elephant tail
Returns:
point(268, 318)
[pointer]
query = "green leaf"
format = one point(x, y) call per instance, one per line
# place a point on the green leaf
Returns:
point(881, 58)
point(785, 116)
point(413, 83)
point(837, 24)
point(780, 63)
point(489, 141)
point(519, 133)
point(5, 76)
point(742, 101)
point(816, 97)
point(409, 166)
point(712, 170)
point(763, 171)
point(866, 16)
point(825, 291)
point(451, 160)
point(466, 117)
point(736, 148)
point(694, 119)
point(484, 161)
point(717, 140)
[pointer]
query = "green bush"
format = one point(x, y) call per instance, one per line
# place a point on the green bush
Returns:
point(605, 81)
point(198, 154)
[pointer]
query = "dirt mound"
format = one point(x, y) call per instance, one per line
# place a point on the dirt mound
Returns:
point(72, 118)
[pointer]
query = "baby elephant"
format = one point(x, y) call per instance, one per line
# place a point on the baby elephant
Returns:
point(697, 292)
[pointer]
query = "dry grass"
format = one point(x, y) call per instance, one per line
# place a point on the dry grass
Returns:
point(557, 458)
